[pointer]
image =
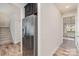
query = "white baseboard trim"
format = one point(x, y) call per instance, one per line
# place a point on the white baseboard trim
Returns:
point(15, 42)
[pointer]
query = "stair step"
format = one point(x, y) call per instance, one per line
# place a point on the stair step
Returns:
point(5, 36)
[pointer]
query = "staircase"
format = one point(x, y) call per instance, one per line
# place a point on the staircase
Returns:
point(5, 36)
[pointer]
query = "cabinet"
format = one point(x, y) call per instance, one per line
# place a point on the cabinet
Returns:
point(30, 8)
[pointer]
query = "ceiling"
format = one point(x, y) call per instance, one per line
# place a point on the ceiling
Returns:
point(6, 12)
point(5, 7)
point(66, 7)
point(20, 4)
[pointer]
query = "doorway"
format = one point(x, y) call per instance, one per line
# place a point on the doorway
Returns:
point(29, 30)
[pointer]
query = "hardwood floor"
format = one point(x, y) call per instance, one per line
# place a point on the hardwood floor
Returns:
point(65, 52)
point(27, 47)
point(10, 49)
point(27, 52)
point(68, 48)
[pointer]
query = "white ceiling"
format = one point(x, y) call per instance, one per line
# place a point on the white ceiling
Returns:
point(6, 10)
point(20, 4)
point(62, 7)
point(5, 7)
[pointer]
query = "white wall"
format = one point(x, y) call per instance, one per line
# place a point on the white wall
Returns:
point(16, 23)
point(4, 19)
point(4, 15)
point(12, 27)
point(77, 29)
point(50, 34)
point(70, 14)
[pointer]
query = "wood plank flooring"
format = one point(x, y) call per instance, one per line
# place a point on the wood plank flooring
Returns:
point(10, 49)
point(68, 48)
point(65, 52)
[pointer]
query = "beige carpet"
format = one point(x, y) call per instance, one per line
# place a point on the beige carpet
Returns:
point(10, 49)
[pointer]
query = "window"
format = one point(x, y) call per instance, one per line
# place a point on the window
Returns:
point(69, 26)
